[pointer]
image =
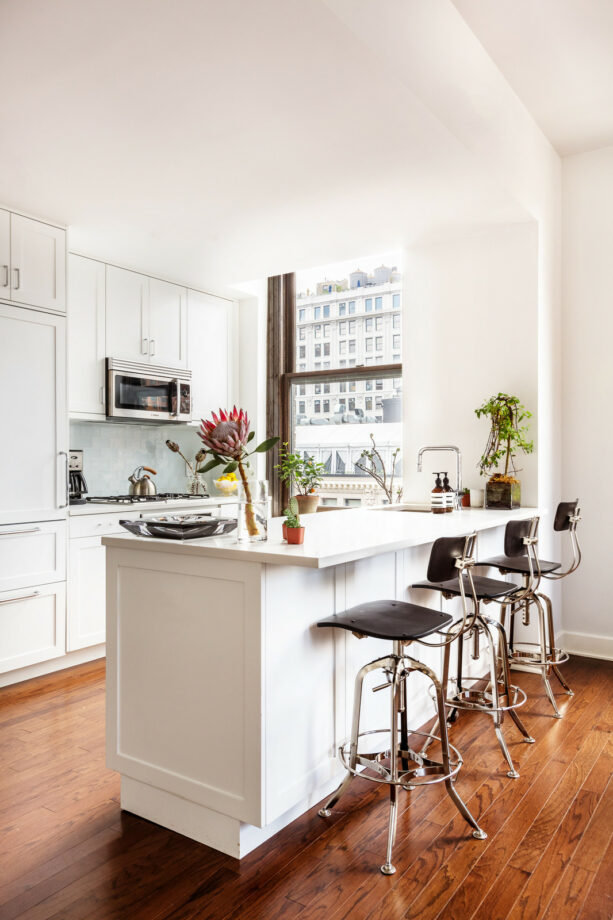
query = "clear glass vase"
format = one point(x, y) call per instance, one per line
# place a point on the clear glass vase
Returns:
point(196, 484)
point(253, 511)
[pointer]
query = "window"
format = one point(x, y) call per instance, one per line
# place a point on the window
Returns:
point(301, 316)
point(317, 331)
point(302, 333)
point(301, 407)
point(326, 405)
point(378, 303)
point(317, 351)
point(317, 313)
point(327, 348)
point(342, 363)
point(329, 502)
point(351, 362)
point(396, 359)
point(318, 365)
point(317, 388)
point(326, 365)
point(352, 306)
point(326, 330)
point(342, 328)
point(351, 346)
point(368, 344)
point(396, 341)
point(342, 348)
point(326, 387)
point(396, 301)
point(367, 403)
point(351, 404)
point(302, 367)
point(351, 326)
point(396, 321)
point(327, 311)
point(352, 502)
point(368, 305)
point(378, 385)
point(342, 309)
point(342, 387)
point(368, 324)
point(369, 385)
point(317, 406)
point(368, 361)
point(302, 352)
point(378, 343)
point(342, 403)
point(379, 323)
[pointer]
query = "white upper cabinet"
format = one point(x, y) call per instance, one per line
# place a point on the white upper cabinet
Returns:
point(33, 459)
point(86, 336)
point(38, 264)
point(167, 324)
point(127, 335)
point(211, 323)
point(5, 254)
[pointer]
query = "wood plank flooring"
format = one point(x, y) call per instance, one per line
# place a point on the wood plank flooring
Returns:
point(67, 852)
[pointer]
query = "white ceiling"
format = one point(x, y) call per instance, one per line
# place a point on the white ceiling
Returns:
point(216, 142)
point(558, 57)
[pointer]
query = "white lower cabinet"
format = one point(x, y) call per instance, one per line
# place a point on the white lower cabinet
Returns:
point(32, 554)
point(86, 593)
point(32, 625)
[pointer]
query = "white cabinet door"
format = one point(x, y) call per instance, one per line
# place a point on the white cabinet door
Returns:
point(167, 324)
point(32, 625)
point(32, 554)
point(38, 264)
point(86, 335)
point(210, 352)
point(86, 593)
point(33, 459)
point(127, 327)
point(5, 255)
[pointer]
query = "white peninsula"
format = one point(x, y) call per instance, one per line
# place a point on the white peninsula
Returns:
point(225, 703)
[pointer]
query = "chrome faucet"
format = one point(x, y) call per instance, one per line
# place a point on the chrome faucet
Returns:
point(456, 450)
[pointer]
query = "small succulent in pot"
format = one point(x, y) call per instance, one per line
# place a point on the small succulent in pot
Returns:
point(293, 530)
point(226, 437)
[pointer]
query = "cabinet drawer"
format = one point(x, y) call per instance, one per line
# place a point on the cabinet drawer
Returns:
point(32, 625)
point(32, 554)
point(99, 525)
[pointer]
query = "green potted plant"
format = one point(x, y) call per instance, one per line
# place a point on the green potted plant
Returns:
point(507, 436)
point(293, 531)
point(302, 474)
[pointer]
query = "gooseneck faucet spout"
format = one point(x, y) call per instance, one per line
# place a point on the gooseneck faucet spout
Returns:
point(457, 452)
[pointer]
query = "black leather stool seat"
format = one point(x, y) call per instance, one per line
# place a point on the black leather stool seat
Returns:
point(518, 564)
point(390, 620)
point(485, 588)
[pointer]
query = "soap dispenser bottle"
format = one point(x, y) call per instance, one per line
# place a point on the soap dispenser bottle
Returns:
point(448, 493)
point(438, 497)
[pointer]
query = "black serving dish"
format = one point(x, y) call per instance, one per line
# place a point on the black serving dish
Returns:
point(180, 526)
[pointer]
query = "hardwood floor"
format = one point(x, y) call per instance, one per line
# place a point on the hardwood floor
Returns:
point(67, 852)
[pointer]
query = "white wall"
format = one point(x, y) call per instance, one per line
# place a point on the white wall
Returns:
point(470, 331)
point(587, 391)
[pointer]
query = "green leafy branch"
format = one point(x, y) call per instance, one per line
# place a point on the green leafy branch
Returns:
point(507, 434)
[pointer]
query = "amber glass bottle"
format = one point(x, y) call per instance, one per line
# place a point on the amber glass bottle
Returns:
point(438, 497)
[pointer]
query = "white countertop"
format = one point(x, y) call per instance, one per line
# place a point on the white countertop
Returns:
point(334, 537)
point(150, 507)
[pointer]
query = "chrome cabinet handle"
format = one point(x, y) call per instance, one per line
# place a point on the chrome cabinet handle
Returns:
point(152, 348)
point(24, 597)
point(62, 453)
point(11, 533)
point(145, 347)
point(17, 279)
point(102, 393)
point(6, 276)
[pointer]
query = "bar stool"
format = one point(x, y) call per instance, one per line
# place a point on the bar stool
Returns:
point(521, 558)
point(499, 696)
point(404, 623)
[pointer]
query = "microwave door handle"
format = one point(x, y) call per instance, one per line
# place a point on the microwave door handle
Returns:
point(177, 384)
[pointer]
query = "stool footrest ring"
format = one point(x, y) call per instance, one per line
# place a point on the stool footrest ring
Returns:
point(482, 700)
point(426, 772)
point(555, 656)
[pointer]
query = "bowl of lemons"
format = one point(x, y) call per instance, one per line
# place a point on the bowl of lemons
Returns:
point(227, 484)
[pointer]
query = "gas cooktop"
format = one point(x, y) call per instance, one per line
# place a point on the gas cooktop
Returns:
point(138, 499)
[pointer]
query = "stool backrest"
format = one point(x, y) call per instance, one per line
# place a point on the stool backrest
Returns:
point(445, 551)
point(514, 534)
point(564, 512)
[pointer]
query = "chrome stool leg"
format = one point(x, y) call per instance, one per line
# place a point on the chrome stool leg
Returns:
point(497, 713)
point(544, 663)
point(506, 680)
point(388, 868)
point(552, 642)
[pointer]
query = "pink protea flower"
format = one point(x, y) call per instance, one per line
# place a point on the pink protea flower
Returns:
point(227, 433)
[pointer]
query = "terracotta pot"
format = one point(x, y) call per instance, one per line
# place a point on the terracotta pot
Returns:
point(295, 535)
point(307, 504)
point(466, 499)
point(502, 494)
point(284, 528)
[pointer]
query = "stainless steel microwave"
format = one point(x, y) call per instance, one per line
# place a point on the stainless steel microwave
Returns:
point(143, 392)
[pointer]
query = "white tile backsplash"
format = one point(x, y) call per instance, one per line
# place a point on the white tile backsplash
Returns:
point(112, 450)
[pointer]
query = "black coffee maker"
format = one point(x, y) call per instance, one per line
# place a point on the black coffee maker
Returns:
point(77, 487)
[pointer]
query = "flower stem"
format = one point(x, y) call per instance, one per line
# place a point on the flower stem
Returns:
point(252, 526)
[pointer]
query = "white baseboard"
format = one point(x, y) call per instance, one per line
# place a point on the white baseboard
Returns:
point(54, 664)
point(586, 645)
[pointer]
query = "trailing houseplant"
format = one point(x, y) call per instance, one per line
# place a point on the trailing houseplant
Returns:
point(507, 437)
point(302, 474)
point(226, 437)
point(293, 530)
